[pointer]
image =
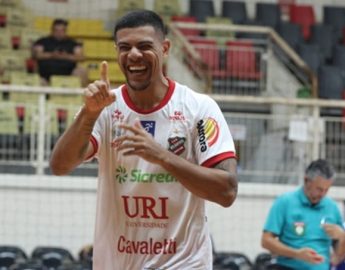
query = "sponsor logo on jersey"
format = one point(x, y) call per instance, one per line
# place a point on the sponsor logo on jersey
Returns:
point(149, 126)
point(139, 176)
point(208, 132)
point(177, 145)
point(121, 174)
point(145, 207)
point(117, 115)
point(150, 246)
point(177, 116)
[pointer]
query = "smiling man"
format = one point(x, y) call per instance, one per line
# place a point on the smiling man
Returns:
point(302, 224)
point(163, 150)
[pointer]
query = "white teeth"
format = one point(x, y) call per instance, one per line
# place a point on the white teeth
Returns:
point(136, 68)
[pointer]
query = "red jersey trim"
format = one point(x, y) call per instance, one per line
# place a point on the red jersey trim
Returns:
point(164, 101)
point(218, 158)
point(94, 143)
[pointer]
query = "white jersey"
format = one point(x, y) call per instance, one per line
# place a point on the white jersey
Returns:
point(147, 220)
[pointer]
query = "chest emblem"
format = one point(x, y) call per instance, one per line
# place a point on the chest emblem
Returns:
point(299, 228)
point(177, 145)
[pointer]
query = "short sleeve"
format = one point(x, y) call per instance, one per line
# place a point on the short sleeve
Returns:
point(275, 219)
point(211, 136)
point(97, 136)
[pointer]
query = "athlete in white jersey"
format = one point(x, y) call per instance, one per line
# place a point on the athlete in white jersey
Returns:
point(163, 150)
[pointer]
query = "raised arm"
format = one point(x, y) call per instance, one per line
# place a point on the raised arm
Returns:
point(74, 145)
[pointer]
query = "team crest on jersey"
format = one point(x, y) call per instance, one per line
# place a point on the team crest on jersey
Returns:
point(299, 228)
point(149, 126)
point(177, 145)
point(208, 132)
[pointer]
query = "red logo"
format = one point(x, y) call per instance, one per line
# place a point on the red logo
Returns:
point(164, 246)
point(145, 207)
point(177, 116)
point(117, 115)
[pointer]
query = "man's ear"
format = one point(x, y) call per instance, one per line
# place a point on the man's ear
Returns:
point(166, 46)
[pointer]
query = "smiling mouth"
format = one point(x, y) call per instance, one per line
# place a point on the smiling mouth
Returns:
point(136, 69)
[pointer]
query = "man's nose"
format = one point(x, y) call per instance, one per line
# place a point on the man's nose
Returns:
point(134, 53)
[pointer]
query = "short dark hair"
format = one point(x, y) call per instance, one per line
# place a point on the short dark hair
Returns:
point(60, 21)
point(320, 167)
point(138, 18)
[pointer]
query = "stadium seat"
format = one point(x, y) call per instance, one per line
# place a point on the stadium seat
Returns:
point(29, 265)
point(5, 39)
point(167, 7)
point(209, 52)
point(339, 57)
point(23, 78)
point(74, 266)
point(201, 9)
point(303, 15)
point(334, 16)
point(65, 81)
point(236, 11)
point(331, 84)
point(9, 255)
point(11, 61)
point(263, 260)
point(323, 36)
point(99, 49)
point(52, 257)
point(127, 5)
point(311, 55)
point(241, 60)
point(27, 39)
point(220, 36)
point(268, 14)
point(186, 19)
point(291, 33)
point(232, 260)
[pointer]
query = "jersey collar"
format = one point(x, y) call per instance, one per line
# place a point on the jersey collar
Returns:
point(164, 101)
point(305, 201)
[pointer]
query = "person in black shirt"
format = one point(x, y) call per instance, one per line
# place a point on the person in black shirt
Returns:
point(58, 54)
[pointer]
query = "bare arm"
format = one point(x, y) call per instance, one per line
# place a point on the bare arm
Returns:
point(271, 242)
point(217, 184)
point(40, 54)
point(74, 145)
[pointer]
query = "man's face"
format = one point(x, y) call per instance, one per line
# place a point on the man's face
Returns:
point(59, 31)
point(317, 188)
point(141, 51)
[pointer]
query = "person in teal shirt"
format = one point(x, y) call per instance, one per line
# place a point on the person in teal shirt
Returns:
point(302, 225)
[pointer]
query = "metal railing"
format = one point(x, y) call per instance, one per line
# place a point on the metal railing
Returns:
point(271, 147)
point(265, 42)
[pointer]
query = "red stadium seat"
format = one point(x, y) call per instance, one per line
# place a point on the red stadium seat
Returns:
point(208, 51)
point(2, 20)
point(241, 60)
point(186, 19)
point(303, 15)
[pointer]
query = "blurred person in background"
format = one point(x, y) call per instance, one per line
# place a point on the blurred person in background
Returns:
point(303, 225)
point(163, 151)
point(58, 54)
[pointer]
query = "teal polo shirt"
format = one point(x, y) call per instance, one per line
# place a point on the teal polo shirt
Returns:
point(297, 223)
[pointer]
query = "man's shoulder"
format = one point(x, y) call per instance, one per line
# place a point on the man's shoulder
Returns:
point(44, 39)
point(189, 94)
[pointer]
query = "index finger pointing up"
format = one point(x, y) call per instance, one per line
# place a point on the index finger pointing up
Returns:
point(104, 72)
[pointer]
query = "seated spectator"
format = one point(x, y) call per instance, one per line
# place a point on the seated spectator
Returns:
point(57, 54)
